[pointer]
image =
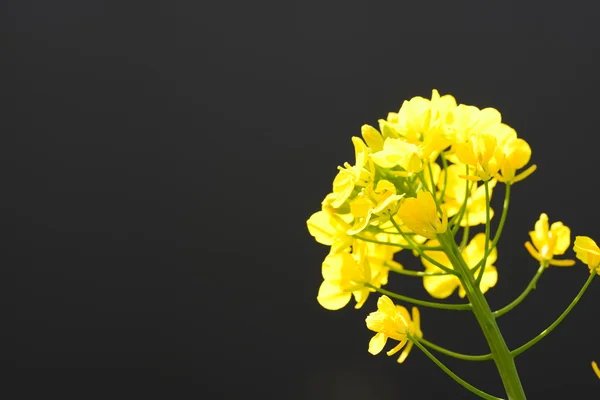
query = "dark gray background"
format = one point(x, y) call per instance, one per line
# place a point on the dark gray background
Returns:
point(168, 155)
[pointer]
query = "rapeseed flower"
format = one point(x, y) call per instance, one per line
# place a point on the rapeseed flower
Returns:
point(588, 252)
point(549, 242)
point(392, 321)
point(420, 215)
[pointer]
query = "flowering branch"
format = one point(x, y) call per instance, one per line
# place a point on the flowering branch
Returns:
point(518, 300)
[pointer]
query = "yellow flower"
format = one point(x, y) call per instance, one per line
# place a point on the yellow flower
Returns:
point(393, 322)
point(420, 215)
point(399, 152)
point(517, 154)
point(482, 152)
point(454, 196)
point(350, 176)
point(422, 122)
point(485, 142)
point(470, 120)
point(346, 275)
point(373, 206)
point(330, 229)
point(442, 286)
point(549, 242)
point(588, 252)
point(596, 369)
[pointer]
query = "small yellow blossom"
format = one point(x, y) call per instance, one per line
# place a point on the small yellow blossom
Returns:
point(350, 176)
point(442, 286)
point(393, 322)
point(596, 369)
point(420, 215)
point(399, 152)
point(517, 154)
point(482, 152)
point(588, 252)
point(454, 196)
point(470, 120)
point(422, 122)
point(373, 206)
point(346, 275)
point(549, 242)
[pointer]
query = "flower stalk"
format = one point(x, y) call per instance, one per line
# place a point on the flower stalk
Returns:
point(427, 172)
point(501, 354)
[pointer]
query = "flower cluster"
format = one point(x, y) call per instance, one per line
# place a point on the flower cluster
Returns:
point(426, 163)
point(427, 172)
point(393, 322)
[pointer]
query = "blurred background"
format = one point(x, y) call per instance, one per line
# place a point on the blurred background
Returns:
point(164, 158)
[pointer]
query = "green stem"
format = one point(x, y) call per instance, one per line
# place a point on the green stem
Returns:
point(522, 296)
point(452, 375)
point(420, 302)
point(502, 357)
point(438, 202)
point(500, 224)
point(465, 237)
point(454, 354)
point(445, 165)
point(408, 272)
point(409, 247)
point(419, 250)
point(549, 329)
point(458, 217)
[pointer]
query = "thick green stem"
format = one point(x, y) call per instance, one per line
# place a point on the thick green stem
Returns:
point(549, 329)
point(502, 357)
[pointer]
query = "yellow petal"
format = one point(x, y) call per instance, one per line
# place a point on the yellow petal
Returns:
point(539, 236)
point(397, 348)
point(320, 226)
point(377, 343)
point(562, 263)
point(596, 369)
point(489, 279)
point(360, 296)
point(405, 352)
point(333, 264)
point(532, 251)
point(386, 305)
point(563, 237)
point(331, 296)
point(372, 137)
point(376, 321)
point(440, 286)
point(416, 318)
point(587, 251)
